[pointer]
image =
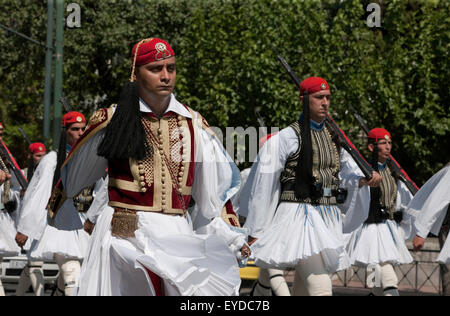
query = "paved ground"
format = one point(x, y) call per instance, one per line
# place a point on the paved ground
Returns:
point(339, 291)
point(247, 286)
point(424, 272)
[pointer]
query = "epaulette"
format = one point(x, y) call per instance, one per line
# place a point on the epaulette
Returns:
point(98, 121)
point(203, 123)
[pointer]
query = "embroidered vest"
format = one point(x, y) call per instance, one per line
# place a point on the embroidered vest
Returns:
point(162, 181)
point(325, 166)
point(387, 198)
point(388, 190)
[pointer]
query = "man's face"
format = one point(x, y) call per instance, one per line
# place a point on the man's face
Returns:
point(37, 157)
point(319, 102)
point(384, 149)
point(74, 132)
point(157, 78)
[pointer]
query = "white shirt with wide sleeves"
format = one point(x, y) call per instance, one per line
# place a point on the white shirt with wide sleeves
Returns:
point(288, 232)
point(429, 208)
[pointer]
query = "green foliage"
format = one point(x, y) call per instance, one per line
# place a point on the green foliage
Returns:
point(396, 75)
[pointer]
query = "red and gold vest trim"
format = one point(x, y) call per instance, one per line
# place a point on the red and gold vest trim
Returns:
point(162, 181)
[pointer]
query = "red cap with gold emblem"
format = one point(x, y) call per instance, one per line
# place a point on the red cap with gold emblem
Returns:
point(379, 133)
point(150, 50)
point(73, 117)
point(313, 84)
point(37, 148)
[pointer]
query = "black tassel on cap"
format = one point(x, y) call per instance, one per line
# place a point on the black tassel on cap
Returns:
point(125, 136)
point(303, 174)
point(375, 193)
point(30, 170)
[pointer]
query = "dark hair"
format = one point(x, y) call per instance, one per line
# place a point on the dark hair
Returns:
point(125, 136)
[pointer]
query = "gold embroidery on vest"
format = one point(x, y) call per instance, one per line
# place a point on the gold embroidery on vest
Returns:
point(388, 191)
point(98, 117)
point(168, 165)
point(326, 166)
point(146, 167)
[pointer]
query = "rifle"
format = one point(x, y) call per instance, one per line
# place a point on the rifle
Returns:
point(4, 152)
point(392, 163)
point(25, 136)
point(30, 170)
point(66, 104)
point(341, 137)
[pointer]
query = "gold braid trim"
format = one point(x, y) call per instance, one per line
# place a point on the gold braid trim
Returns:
point(7, 184)
point(56, 201)
point(230, 219)
point(133, 67)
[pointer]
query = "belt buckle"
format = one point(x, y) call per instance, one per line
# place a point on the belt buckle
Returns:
point(327, 192)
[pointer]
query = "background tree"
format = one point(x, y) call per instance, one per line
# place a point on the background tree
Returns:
point(396, 75)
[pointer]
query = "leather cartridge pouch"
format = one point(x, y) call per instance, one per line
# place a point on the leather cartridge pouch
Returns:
point(124, 223)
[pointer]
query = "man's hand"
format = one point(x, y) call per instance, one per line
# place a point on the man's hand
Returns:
point(245, 251)
point(374, 182)
point(4, 177)
point(418, 243)
point(21, 239)
point(88, 227)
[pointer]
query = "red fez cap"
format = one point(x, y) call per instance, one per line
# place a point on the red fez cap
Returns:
point(37, 148)
point(150, 50)
point(264, 139)
point(313, 84)
point(1, 125)
point(73, 117)
point(379, 133)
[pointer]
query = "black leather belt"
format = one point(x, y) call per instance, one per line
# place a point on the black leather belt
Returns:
point(319, 192)
point(383, 216)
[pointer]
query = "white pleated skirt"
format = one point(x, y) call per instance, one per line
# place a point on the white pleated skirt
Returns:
point(66, 238)
point(8, 246)
point(299, 231)
point(187, 263)
point(95, 276)
point(377, 244)
point(444, 256)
